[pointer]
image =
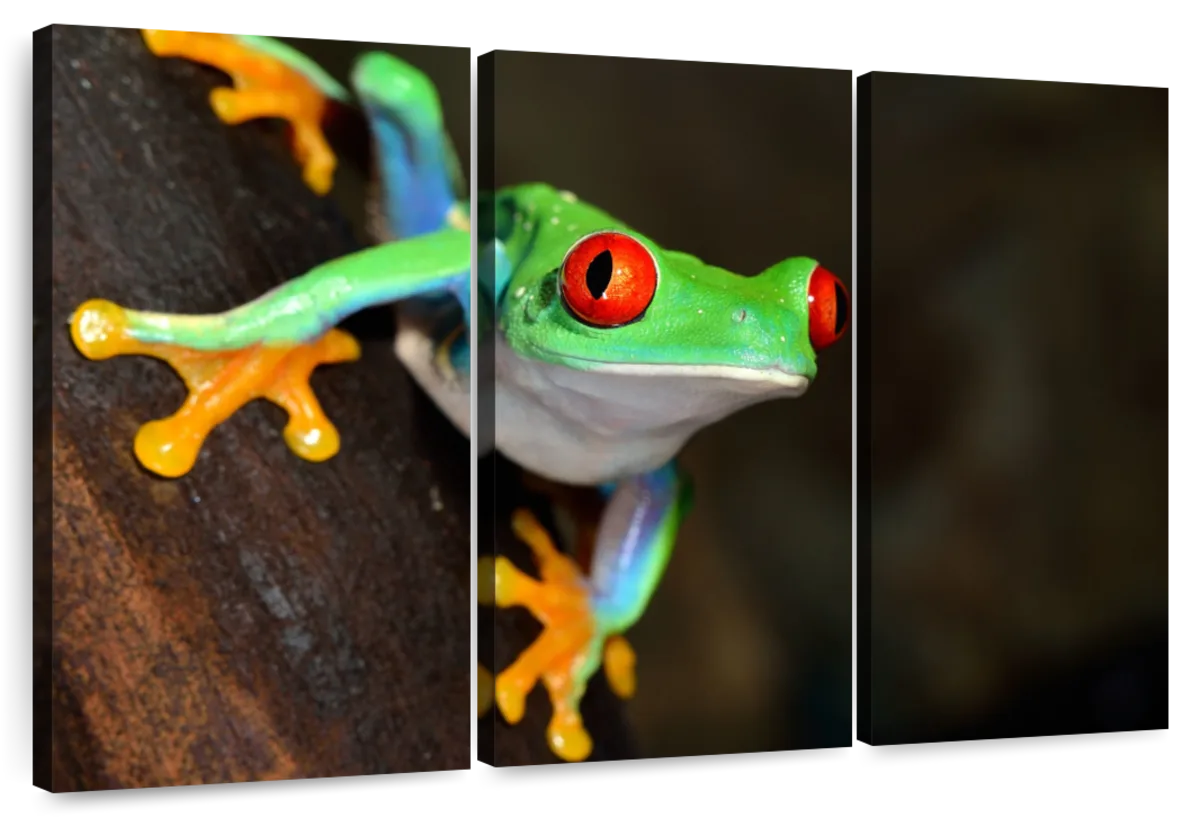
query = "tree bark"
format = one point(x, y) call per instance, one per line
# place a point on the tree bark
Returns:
point(261, 617)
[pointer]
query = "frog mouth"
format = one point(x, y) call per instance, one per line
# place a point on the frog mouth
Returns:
point(766, 378)
point(772, 376)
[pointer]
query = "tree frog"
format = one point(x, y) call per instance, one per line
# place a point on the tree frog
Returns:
point(610, 351)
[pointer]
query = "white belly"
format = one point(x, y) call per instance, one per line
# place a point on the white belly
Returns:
point(589, 427)
point(418, 352)
point(580, 427)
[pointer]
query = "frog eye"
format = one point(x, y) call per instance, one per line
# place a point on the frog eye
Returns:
point(608, 279)
point(828, 308)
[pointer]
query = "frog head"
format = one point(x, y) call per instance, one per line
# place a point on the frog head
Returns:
point(611, 301)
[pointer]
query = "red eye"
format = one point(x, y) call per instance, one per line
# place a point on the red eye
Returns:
point(828, 308)
point(608, 279)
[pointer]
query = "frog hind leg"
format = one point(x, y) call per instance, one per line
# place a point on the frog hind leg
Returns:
point(267, 348)
point(576, 510)
point(584, 617)
point(270, 80)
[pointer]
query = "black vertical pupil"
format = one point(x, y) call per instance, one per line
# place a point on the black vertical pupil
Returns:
point(839, 322)
point(599, 274)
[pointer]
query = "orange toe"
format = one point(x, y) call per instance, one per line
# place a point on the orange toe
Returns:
point(264, 87)
point(220, 383)
point(568, 650)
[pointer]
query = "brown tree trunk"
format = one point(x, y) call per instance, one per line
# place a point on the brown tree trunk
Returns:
point(261, 617)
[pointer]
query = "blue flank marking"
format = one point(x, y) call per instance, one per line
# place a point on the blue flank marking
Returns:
point(460, 350)
point(503, 271)
point(460, 355)
point(460, 288)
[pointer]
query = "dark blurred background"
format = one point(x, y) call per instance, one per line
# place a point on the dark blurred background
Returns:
point(1015, 398)
point(1017, 390)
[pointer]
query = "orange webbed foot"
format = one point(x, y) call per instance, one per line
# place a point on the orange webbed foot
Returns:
point(263, 87)
point(570, 648)
point(219, 383)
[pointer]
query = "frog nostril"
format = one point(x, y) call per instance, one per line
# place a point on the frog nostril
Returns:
point(739, 316)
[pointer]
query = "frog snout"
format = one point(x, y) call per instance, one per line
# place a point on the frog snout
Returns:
point(771, 332)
